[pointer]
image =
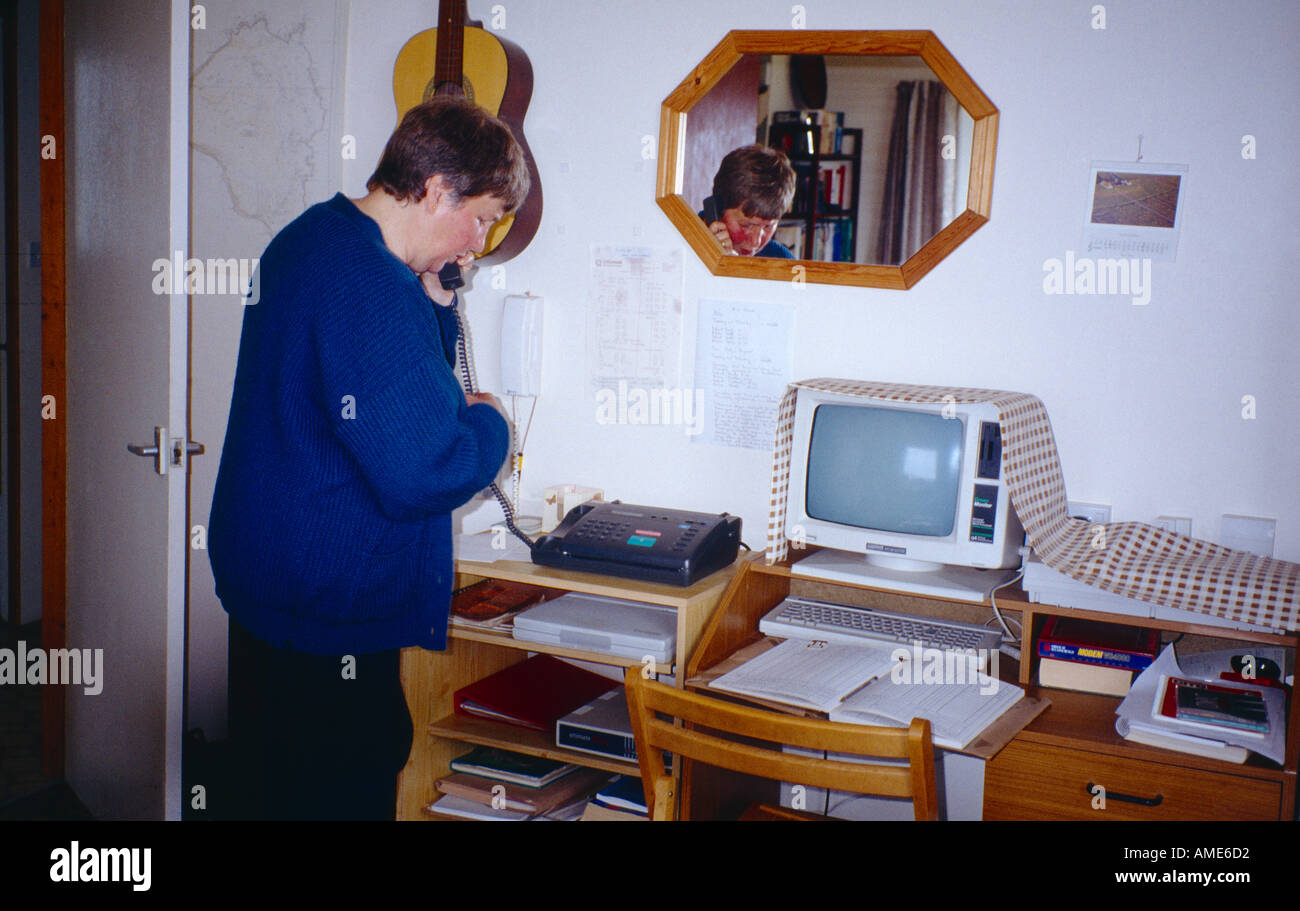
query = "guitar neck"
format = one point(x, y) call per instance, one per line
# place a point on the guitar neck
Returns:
point(449, 65)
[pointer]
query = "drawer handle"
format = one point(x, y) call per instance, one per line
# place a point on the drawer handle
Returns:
point(1127, 798)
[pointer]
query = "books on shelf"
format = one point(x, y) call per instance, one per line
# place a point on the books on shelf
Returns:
point(1150, 735)
point(623, 793)
point(1093, 656)
point(460, 807)
point(451, 805)
point(532, 694)
point(1212, 706)
point(1086, 678)
point(493, 784)
point(580, 785)
point(512, 768)
point(807, 132)
point(1225, 720)
point(1102, 644)
point(622, 800)
point(595, 812)
point(493, 603)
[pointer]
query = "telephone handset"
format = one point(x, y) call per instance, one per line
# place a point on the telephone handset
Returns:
point(711, 213)
point(449, 276)
point(650, 543)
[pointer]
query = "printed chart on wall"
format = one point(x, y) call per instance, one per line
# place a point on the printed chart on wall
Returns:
point(744, 358)
point(634, 318)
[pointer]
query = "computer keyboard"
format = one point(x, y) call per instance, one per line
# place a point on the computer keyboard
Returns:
point(802, 618)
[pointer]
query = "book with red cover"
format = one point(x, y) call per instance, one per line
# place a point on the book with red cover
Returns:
point(532, 694)
point(492, 602)
point(1105, 644)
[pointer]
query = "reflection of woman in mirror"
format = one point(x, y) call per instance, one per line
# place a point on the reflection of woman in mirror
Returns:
point(753, 188)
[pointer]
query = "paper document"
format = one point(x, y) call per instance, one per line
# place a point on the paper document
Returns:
point(957, 712)
point(634, 318)
point(813, 674)
point(744, 357)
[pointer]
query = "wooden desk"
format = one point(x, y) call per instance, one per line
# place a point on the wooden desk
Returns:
point(1045, 770)
point(431, 679)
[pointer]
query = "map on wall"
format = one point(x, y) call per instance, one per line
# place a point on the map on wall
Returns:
point(263, 122)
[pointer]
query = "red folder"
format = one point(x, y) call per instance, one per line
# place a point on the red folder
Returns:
point(532, 694)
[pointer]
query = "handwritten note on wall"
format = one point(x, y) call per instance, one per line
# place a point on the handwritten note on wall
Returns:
point(744, 357)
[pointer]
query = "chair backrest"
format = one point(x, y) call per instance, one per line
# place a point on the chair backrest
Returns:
point(647, 698)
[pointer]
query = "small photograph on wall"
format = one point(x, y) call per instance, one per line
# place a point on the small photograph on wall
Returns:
point(1134, 209)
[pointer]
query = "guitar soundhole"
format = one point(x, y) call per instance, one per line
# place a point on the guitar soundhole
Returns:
point(431, 89)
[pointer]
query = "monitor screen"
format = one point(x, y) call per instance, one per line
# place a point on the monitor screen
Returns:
point(885, 468)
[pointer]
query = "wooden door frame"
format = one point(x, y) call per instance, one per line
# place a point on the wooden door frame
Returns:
point(54, 378)
point(13, 337)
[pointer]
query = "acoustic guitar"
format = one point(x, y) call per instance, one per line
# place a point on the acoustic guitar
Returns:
point(460, 57)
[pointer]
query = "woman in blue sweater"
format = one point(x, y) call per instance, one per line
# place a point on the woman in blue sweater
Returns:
point(349, 443)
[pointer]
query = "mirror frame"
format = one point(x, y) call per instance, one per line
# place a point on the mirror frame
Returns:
point(736, 44)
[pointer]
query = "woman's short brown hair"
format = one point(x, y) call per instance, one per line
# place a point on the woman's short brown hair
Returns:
point(473, 151)
point(757, 179)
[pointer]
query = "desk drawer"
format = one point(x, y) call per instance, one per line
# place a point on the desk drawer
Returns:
point(1033, 781)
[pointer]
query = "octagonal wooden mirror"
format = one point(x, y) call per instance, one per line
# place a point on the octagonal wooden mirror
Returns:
point(886, 106)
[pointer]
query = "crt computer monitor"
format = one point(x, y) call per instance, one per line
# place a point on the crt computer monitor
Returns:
point(901, 495)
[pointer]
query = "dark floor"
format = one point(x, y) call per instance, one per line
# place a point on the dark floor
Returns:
point(25, 793)
point(53, 802)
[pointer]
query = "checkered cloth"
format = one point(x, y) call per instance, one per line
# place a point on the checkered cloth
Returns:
point(1131, 559)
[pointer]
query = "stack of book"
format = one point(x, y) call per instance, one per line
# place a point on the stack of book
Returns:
point(1204, 709)
point(801, 134)
point(493, 603)
point(623, 799)
point(493, 784)
point(1093, 657)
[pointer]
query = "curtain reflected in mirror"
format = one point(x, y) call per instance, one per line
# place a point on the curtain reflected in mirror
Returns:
point(921, 184)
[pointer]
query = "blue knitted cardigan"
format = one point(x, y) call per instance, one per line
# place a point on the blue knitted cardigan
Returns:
point(349, 444)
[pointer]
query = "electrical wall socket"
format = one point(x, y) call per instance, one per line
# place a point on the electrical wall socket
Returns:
point(1179, 525)
point(1249, 533)
point(1093, 512)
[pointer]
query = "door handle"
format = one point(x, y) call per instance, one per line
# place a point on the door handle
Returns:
point(155, 452)
point(181, 450)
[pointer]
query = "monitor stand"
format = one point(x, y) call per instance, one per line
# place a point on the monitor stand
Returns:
point(956, 583)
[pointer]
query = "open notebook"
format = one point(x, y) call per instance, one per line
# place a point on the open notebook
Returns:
point(868, 684)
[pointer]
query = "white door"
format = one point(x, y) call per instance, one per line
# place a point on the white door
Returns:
point(127, 72)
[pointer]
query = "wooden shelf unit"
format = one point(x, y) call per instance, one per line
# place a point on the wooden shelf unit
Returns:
point(430, 679)
point(1043, 772)
point(809, 176)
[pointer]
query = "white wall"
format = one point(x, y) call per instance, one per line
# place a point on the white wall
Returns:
point(1146, 401)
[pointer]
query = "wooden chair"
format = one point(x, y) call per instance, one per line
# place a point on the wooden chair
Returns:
point(645, 698)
